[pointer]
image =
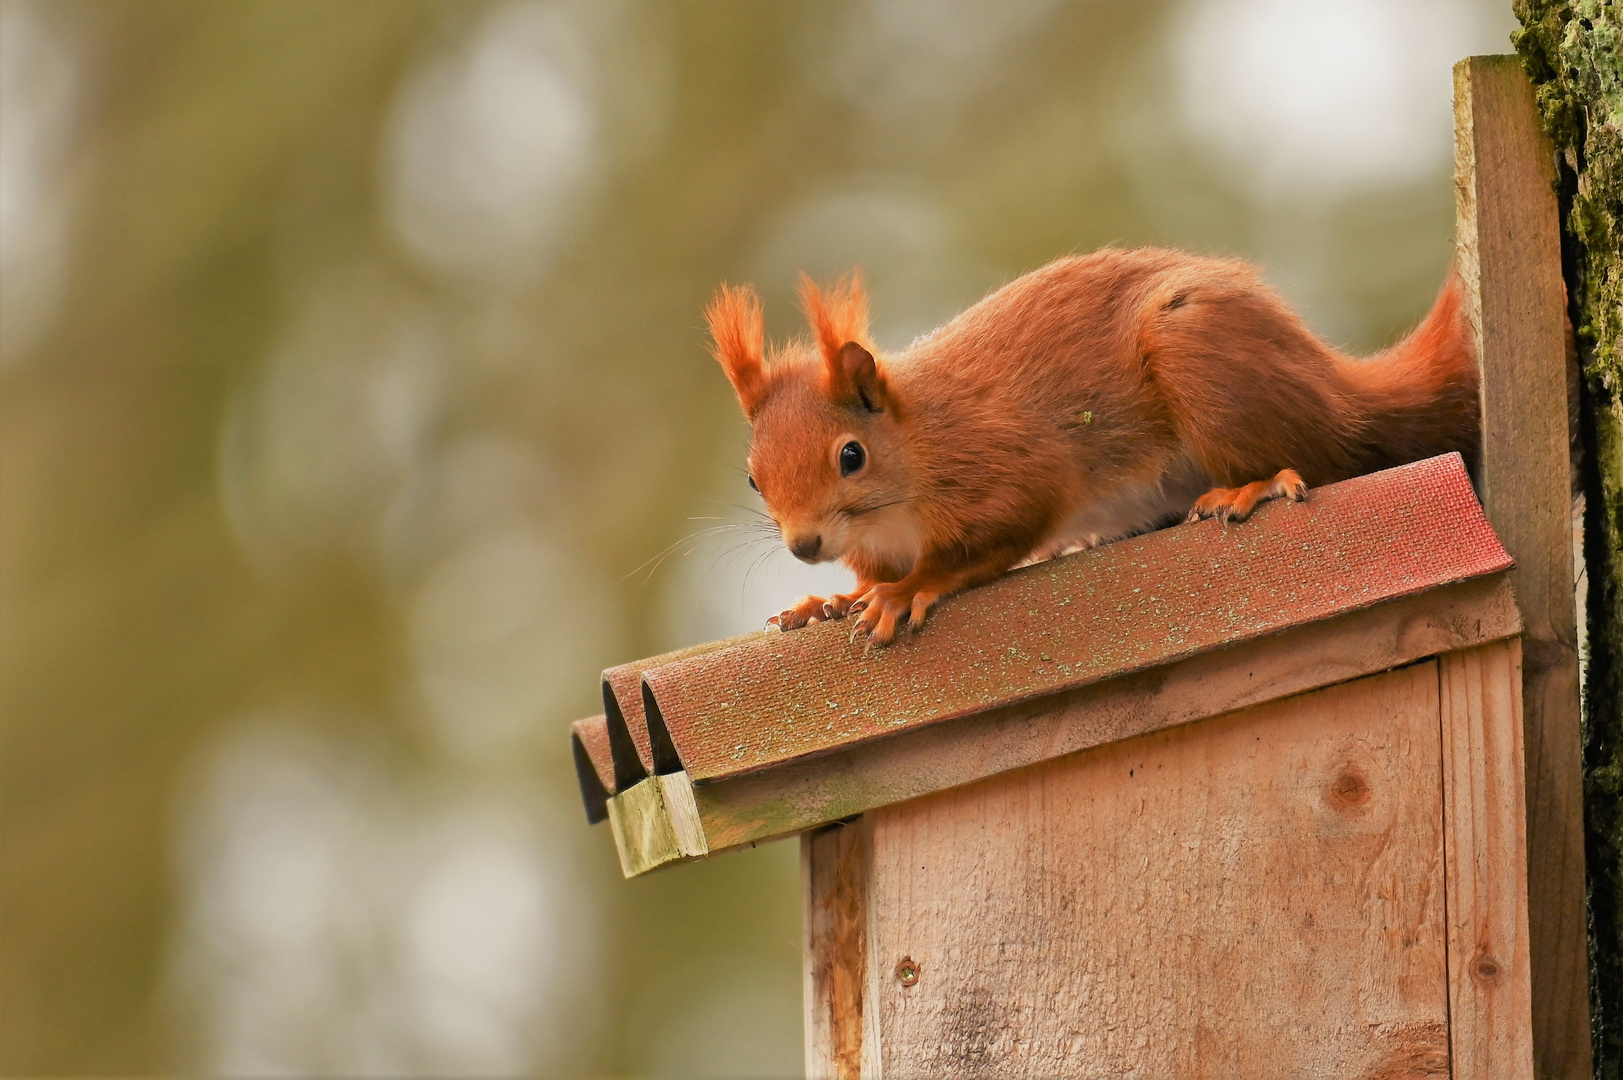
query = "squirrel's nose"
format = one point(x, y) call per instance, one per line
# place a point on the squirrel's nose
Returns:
point(807, 546)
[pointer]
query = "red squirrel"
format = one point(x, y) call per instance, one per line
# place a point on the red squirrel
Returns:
point(1098, 397)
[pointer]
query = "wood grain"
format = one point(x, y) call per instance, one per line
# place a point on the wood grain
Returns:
point(835, 863)
point(1490, 990)
point(655, 823)
point(1510, 261)
point(1255, 895)
point(642, 833)
point(804, 795)
point(676, 797)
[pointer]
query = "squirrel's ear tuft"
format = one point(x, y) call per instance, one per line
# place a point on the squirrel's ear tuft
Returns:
point(839, 322)
point(836, 316)
point(736, 328)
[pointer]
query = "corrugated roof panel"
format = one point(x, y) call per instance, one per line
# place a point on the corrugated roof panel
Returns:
point(623, 706)
point(1123, 607)
point(594, 767)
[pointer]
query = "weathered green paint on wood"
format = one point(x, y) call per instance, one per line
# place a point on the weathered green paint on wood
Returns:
point(656, 822)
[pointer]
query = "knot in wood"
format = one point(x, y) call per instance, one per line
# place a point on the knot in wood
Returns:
point(1350, 790)
point(1485, 968)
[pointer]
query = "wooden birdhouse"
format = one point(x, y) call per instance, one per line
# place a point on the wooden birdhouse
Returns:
point(1216, 801)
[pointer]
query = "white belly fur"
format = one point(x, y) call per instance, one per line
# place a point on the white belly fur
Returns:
point(892, 536)
point(1130, 509)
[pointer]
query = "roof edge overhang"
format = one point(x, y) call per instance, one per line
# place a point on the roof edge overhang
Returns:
point(736, 741)
point(629, 741)
point(594, 767)
point(657, 818)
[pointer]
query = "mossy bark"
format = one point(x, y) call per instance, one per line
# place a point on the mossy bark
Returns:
point(1573, 51)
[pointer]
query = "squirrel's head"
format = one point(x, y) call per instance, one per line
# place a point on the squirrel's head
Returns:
point(827, 451)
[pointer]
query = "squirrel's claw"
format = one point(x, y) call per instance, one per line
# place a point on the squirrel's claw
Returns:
point(878, 623)
point(922, 603)
point(840, 605)
point(808, 609)
point(884, 609)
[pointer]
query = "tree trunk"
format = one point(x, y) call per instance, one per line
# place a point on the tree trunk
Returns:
point(1573, 51)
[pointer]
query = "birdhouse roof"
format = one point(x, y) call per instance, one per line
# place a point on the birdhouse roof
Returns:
point(735, 714)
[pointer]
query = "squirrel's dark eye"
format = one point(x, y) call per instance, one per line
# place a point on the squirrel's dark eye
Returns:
point(753, 486)
point(852, 458)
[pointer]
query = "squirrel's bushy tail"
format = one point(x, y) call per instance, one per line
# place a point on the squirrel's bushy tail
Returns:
point(1419, 398)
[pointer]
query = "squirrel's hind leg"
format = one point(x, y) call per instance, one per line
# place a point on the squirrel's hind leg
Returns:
point(1236, 504)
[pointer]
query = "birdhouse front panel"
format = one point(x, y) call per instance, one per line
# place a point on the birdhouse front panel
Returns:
point(1258, 894)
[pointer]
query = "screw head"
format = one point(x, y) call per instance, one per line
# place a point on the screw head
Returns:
point(908, 971)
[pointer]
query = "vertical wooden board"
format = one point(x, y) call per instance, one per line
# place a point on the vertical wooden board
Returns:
point(834, 868)
point(1258, 895)
point(1490, 990)
point(1510, 262)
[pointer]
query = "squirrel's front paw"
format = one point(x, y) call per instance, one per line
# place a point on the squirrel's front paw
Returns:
point(839, 605)
point(883, 606)
point(808, 609)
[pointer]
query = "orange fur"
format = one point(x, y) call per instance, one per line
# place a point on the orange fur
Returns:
point(738, 330)
point(837, 315)
point(839, 323)
point(1100, 396)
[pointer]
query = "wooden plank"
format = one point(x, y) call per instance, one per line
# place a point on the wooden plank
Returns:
point(1490, 988)
point(1510, 262)
point(806, 794)
point(655, 823)
point(642, 833)
point(835, 863)
point(1256, 895)
point(676, 798)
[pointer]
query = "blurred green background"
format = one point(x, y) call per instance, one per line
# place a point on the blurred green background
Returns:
point(352, 381)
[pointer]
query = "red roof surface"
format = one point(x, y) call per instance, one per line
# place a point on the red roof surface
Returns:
point(623, 708)
point(594, 765)
point(748, 704)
